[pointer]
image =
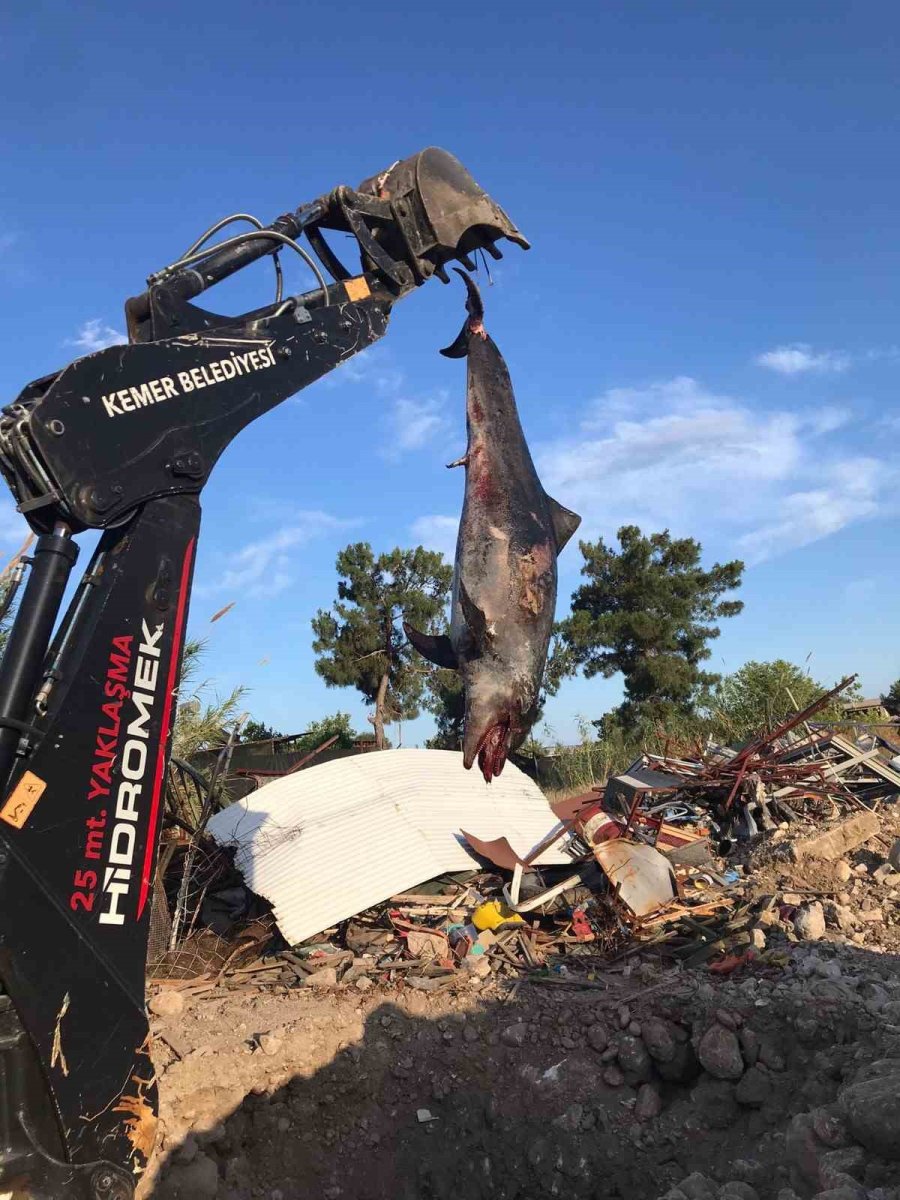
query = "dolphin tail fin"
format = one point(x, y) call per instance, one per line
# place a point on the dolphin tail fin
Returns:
point(437, 648)
point(564, 521)
point(475, 310)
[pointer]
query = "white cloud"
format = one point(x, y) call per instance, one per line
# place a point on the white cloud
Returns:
point(674, 455)
point(371, 367)
point(850, 491)
point(799, 358)
point(437, 533)
point(412, 424)
point(264, 567)
point(94, 335)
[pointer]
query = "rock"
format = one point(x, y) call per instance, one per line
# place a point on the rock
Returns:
point(187, 1151)
point(894, 855)
point(842, 871)
point(809, 921)
point(648, 1104)
point(598, 1037)
point(871, 916)
point(830, 1127)
point(837, 842)
point(270, 1043)
point(838, 916)
point(514, 1035)
point(363, 983)
point(731, 1020)
point(166, 1004)
point(737, 1190)
point(877, 1068)
point(634, 1059)
point(754, 1089)
point(612, 1077)
point(891, 1012)
point(841, 1193)
point(801, 1151)
point(658, 1039)
point(881, 873)
point(477, 965)
point(697, 1187)
point(787, 1194)
point(624, 1016)
point(720, 1053)
point(757, 939)
point(198, 1180)
point(836, 1164)
point(872, 1109)
point(770, 1056)
point(749, 1040)
point(634, 1028)
point(571, 1119)
point(323, 978)
point(683, 1068)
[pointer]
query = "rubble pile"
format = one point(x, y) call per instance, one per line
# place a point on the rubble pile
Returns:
point(711, 861)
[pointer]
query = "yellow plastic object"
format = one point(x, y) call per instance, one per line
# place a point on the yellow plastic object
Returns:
point(494, 913)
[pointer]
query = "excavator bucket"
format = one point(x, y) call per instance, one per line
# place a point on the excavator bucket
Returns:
point(442, 212)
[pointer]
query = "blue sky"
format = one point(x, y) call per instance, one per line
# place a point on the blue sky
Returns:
point(704, 336)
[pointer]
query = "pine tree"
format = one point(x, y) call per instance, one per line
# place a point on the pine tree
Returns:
point(359, 641)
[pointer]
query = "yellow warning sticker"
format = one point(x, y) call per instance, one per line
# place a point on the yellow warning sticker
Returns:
point(358, 288)
point(20, 805)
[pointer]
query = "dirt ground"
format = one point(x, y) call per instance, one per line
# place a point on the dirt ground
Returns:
point(529, 1092)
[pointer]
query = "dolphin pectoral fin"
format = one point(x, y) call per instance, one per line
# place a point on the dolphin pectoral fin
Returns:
point(459, 462)
point(564, 521)
point(437, 648)
point(474, 617)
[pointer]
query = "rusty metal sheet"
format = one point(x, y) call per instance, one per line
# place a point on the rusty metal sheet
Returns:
point(641, 875)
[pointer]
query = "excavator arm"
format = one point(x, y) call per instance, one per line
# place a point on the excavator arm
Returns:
point(123, 441)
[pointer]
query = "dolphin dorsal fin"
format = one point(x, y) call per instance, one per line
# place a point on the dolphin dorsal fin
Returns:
point(564, 521)
point(437, 648)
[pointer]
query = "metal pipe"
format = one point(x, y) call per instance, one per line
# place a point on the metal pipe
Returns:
point(186, 282)
point(23, 658)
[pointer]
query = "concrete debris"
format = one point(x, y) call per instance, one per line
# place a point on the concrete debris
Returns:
point(837, 842)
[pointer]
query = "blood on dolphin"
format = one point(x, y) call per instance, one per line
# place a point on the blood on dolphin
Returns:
point(505, 576)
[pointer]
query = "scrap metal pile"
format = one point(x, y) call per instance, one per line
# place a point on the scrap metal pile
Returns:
point(655, 861)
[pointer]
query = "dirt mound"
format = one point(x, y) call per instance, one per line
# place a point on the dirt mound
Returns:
point(762, 1081)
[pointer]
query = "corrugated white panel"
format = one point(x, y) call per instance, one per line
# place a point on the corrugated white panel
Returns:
point(336, 839)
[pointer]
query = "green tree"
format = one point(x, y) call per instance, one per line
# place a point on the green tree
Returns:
point(891, 699)
point(359, 641)
point(258, 731)
point(446, 701)
point(760, 696)
point(317, 732)
point(648, 610)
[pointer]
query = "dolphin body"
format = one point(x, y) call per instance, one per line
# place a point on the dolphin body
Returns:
point(504, 578)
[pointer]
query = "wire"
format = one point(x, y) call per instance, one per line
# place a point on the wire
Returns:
point(257, 224)
point(267, 234)
point(484, 263)
point(221, 225)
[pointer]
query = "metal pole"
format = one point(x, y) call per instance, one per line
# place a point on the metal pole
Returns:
point(23, 658)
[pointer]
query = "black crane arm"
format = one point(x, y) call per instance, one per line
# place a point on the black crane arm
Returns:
point(123, 441)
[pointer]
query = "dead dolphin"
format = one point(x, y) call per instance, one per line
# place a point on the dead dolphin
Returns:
point(504, 578)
